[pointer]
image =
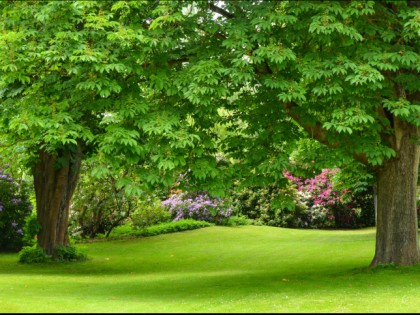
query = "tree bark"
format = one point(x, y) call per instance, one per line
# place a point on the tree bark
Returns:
point(397, 225)
point(55, 178)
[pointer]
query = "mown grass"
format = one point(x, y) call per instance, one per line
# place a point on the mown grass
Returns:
point(216, 269)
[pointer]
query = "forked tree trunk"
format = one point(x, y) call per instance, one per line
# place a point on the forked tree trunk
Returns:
point(55, 179)
point(397, 225)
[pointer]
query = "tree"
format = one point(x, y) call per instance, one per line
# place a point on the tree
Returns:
point(80, 78)
point(344, 71)
point(63, 67)
point(144, 82)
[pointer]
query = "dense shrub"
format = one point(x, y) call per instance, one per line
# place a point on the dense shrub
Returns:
point(33, 254)
point(239, 220)
point(69, 253)
point(95, 211)
point(98, 205)
point(307, 203)
point(361, 208)
point(31, 229)
point(330, 206)
point(149, 213)
point(175, 226)
point(198, 206)
point(271, 205)
point(14, 207)
point(316, 215)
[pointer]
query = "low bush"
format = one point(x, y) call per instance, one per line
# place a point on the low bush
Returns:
point(69, 253)
point(162, 228)
point(174, 226)
point(149, 213)
point(121, 230)
point(307, 203)
point(33, 254)
point(239, 220)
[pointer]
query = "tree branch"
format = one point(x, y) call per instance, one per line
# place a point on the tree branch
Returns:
point(221, 11)
point(319, 133)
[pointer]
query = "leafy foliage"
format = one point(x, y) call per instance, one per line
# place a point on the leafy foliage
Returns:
point(271, 205)
point(240, 219)
point(101, 202)
point(331, 205)
point(161, 228)
point(33, 254)
point(316, 202)
point(144, 95)
point(14, 207)
point(31, 229)
point(149, 212)
point(69, 253)
point(176, 226)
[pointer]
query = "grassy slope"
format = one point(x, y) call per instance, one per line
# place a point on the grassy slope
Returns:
point(216, 269)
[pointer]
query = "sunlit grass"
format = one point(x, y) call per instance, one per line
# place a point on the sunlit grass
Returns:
point(216, 269)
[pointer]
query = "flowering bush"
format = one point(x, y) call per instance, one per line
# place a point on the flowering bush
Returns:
point(316, 215)
point(198, 206)
point(14, 207)
point(328, 205)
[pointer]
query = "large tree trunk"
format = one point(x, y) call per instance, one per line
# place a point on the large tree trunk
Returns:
point(397, 225)
point(55, 178)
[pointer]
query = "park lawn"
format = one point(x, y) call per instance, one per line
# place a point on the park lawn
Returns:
point(216, 269)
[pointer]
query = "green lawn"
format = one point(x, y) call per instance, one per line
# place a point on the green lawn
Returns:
point(216, 269)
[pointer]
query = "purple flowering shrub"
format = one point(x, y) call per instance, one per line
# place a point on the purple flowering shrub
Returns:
point(198, 206)
point(14, 208)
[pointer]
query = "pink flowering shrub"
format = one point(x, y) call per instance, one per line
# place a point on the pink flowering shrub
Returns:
point(327, 205)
